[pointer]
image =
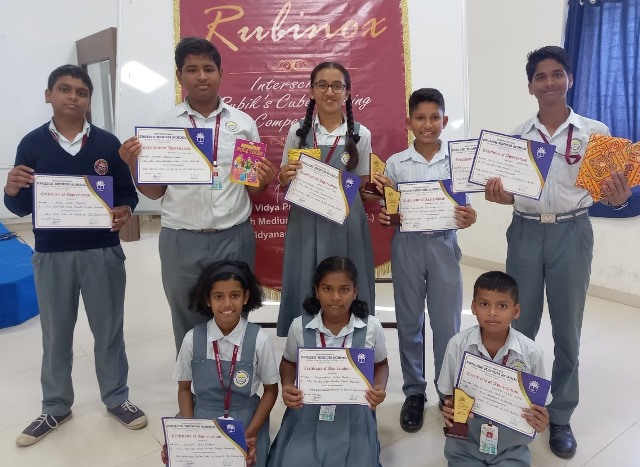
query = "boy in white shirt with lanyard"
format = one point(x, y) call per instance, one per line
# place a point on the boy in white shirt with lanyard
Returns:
point(202, 223)
point(550, 240)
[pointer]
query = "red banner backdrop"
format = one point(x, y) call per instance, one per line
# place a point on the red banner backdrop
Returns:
point(268, 50)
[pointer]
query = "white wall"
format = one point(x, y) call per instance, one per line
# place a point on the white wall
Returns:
point(35, 38)
point(500, 34)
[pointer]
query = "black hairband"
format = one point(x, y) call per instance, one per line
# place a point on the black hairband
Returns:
point(236, 271)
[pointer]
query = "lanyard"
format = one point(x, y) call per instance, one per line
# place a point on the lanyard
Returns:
point(324, 344)
point(215, 137)
point(570, 158)
point(504, 359)
point(84, 138)
point(227, 397)
point(331, 151)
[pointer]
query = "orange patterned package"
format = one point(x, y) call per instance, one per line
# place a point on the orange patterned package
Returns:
point(606, 154)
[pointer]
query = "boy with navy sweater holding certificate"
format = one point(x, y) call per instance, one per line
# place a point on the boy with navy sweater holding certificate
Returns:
point(424, 265)
point(69, 261)
point(495, 305)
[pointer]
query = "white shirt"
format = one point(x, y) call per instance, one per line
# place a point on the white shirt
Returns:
point(560, 194)
point(327, 138)
point(72, 147)
point(411, 166)
point(197, 207)
point(265, 368)
point(374, 338)
point(523, 355)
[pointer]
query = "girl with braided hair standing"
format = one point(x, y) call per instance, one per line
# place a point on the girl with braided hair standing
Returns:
point(310, 238)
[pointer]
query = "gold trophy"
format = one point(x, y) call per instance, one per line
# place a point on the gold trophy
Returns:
point(462, 405)
point(376, 165)
point(392, 203)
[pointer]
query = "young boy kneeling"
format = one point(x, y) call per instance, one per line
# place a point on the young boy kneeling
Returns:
point(495, 305)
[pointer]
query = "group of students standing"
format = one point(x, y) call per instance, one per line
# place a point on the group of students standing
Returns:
point(207, 251)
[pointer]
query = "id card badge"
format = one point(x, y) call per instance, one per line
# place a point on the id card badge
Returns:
point(327, 413)
point(489, 439)
point(216, 180)
point(225, 418)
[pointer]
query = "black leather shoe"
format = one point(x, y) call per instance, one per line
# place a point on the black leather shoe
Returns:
point(412, 413)
point(561, 441)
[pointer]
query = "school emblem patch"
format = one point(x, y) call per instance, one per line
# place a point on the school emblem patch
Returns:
point(345, 158)
point(576, 145)
point(231, 126)
point(517, 364)
point(101, 167)
point(241, 378)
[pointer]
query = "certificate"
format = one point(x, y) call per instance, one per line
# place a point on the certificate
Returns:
point(175, 155)
point(72, 202)
point(461, 154)
point(323, 189)
point(501, 392)
point(335, 376)
point(426, 206)
point(522, 165)
point(193, 442)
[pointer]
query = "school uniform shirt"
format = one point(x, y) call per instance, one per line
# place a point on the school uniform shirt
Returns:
point(560, 194)
point(411, 166)
point(196, 207)
point(265, 368)
point(523, 355)
point(374, 338)
point(72, 147)
point(328, 138)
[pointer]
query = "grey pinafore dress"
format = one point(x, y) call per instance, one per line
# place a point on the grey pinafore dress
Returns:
point(209, 396)
point(311, 238)
point(350, 440)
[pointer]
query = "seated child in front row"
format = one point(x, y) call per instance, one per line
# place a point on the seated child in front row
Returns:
point(495, 305)
point(225, 289)
point(347, 434)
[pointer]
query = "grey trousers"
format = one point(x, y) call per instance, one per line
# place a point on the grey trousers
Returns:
point(558, 257)
point(425, 267)
point(60, 277)
point(183, 256)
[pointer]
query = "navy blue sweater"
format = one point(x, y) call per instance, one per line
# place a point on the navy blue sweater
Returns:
point(40, 151)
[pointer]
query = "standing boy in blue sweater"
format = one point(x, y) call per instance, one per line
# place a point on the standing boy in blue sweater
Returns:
point(70, 261)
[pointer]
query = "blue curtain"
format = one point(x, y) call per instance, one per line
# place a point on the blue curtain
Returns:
point(603, 40)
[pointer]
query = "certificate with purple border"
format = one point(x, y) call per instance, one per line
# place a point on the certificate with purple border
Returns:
point(501, 392)
point(521, 164)
point(175, 155)
point(323, 189)
point(194, 442)
point(72, 202)
point(334, 375)
point(461, 154)
point(428, 206)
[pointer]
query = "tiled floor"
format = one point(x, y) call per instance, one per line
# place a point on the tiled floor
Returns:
point(606, 423)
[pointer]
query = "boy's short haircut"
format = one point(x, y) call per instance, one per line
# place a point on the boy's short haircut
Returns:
point(498, 281)
point(196, 46)
point(551, 51)
point(425, 95)
point(69, 70)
